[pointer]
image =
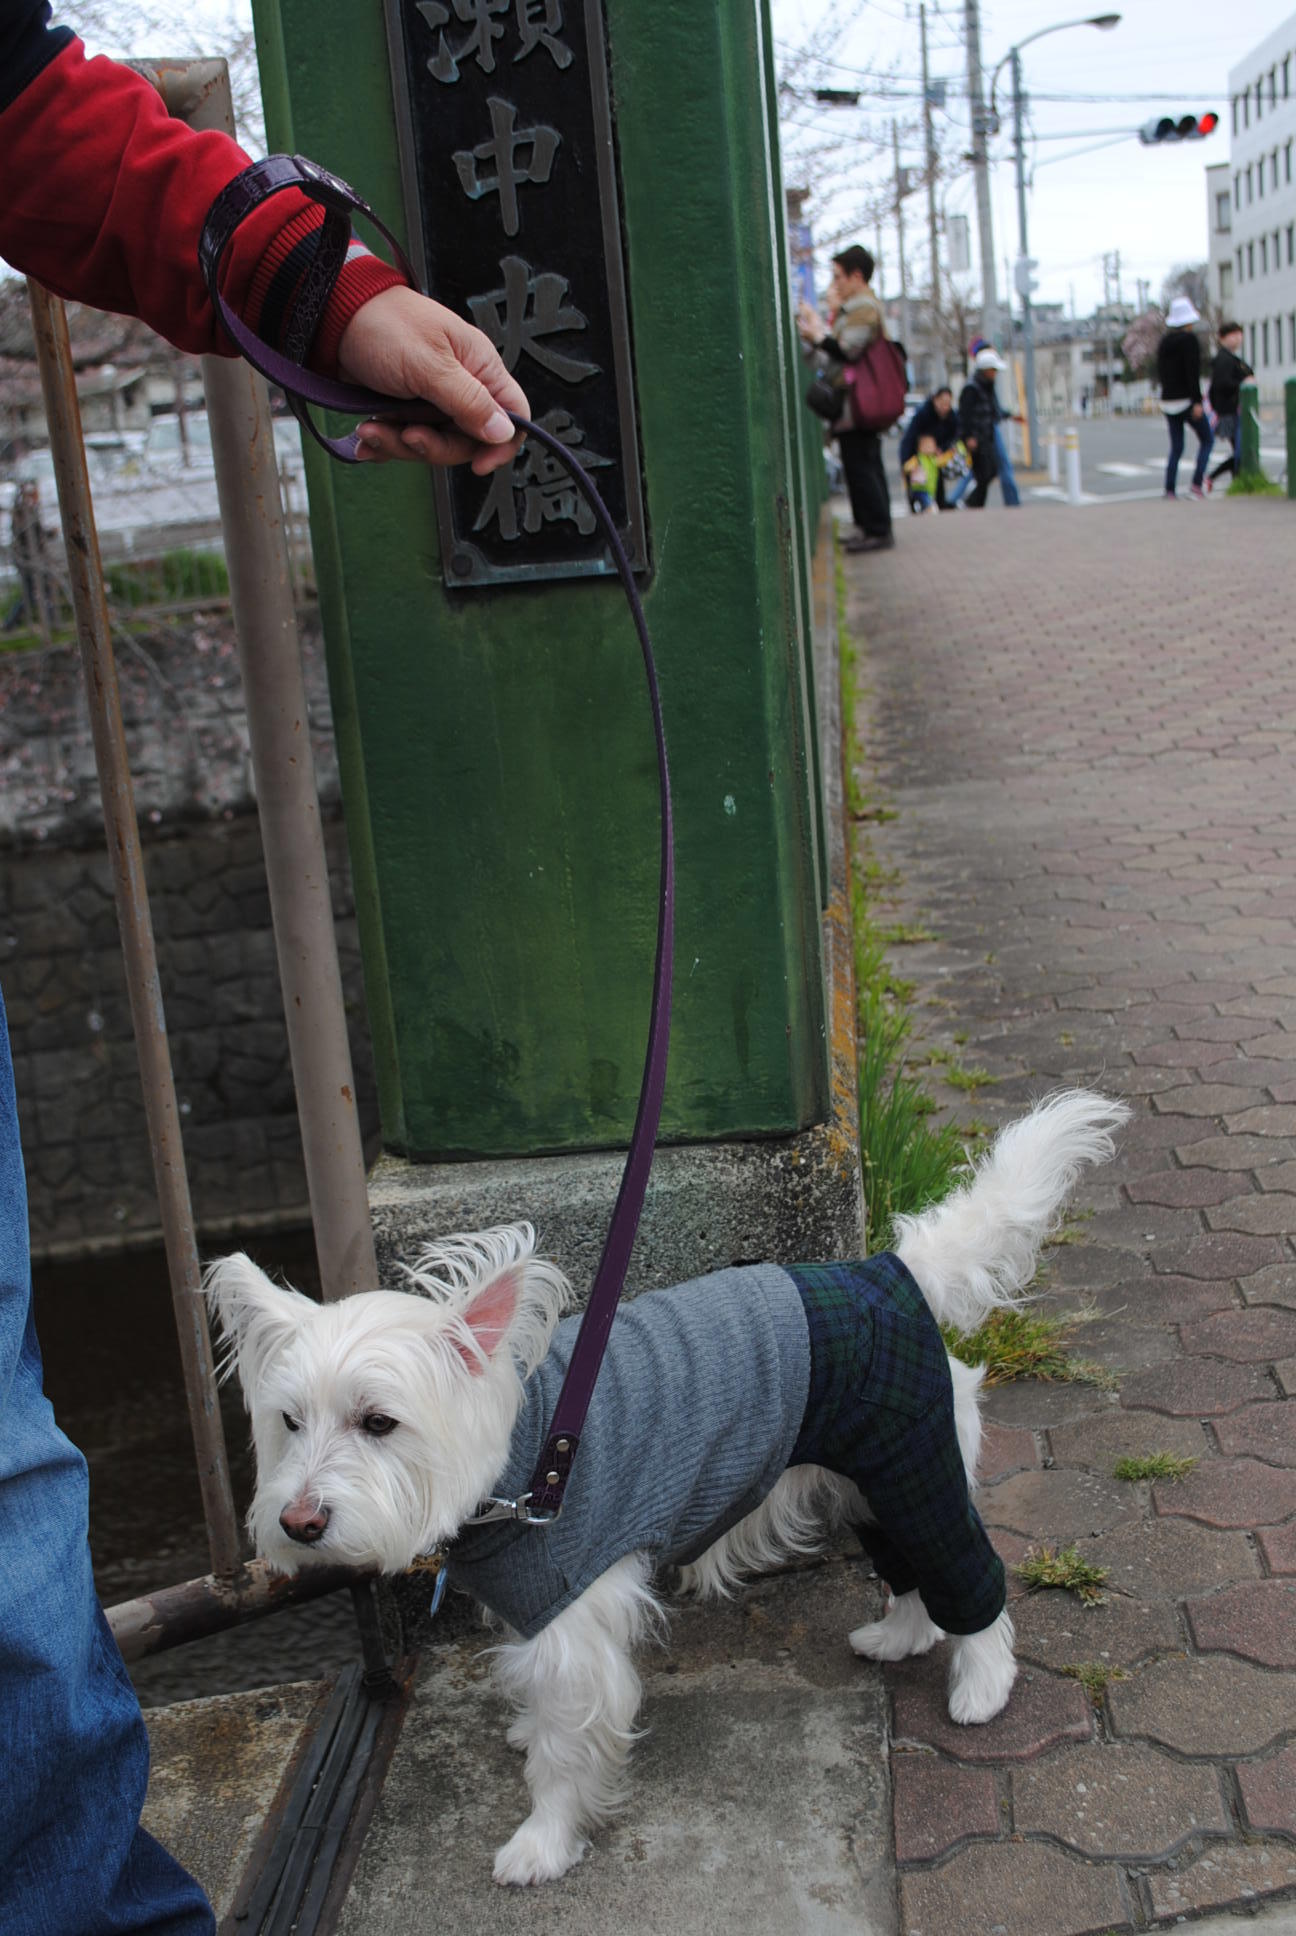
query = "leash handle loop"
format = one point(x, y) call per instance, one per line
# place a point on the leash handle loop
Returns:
point(303, 388)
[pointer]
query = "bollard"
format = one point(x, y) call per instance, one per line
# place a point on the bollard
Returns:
point(1072, 464)
point(1249, 405)
point(1289, 400)
point(1051, 442)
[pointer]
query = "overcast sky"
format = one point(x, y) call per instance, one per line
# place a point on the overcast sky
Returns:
point(1148, 203)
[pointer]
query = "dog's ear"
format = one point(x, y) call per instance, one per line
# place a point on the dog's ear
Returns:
point(257, 1317)
point(486, 1317)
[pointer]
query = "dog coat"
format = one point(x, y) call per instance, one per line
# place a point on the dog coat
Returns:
point(707, 1393)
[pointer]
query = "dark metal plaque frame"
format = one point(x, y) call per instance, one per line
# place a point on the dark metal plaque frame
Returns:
point(522, 85)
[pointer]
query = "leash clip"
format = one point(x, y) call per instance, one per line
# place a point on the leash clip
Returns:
point(519, 1508)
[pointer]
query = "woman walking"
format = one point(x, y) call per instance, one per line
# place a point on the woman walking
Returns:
point(1179, 374)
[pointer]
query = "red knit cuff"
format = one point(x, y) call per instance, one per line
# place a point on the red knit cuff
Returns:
point(308, 218)
point(362, 278)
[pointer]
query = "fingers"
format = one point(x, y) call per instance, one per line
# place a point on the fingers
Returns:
point(386, 443)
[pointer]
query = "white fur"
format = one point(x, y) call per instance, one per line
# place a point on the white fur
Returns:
point(448, 1366)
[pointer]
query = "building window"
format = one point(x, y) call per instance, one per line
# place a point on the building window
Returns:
point(1250, 184)
point(1251, 359)
point(1223, 213)
point(1264, 342)
point(1237, 190)
point(1273, 87)
point(1291, 243)
point(1291, 334)
point(1260, 179)
point(1226, 283)
point(1264, 255)
point(1274, 164)
point(1250, 261)
point(1286, 77)
point(1239, 265)
point(1287, 162)
point(1246, 109)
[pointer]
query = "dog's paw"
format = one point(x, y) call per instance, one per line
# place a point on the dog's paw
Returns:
point(538, 1853)
point(976, 1700)
point(905, 1630)
point(982, 1673)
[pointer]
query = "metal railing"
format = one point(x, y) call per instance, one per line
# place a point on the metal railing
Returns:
point(261, 579)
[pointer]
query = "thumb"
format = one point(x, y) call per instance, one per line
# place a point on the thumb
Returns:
point(473, 408)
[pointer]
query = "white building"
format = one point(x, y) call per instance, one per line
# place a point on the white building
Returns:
point(1219, 230)
point(1262, 129)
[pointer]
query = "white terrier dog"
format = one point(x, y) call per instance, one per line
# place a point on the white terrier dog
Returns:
point(382, 1422)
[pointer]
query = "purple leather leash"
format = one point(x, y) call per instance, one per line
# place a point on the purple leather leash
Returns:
point(542, 1503)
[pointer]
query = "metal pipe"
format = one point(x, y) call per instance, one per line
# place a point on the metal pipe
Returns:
point(85, 570)
point(981, 172)
point(265, 623)
point(1028, 319)
point(196, 1608)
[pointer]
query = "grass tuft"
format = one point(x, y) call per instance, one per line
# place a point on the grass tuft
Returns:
point(1254, 484)
point(1046, 1566)
point(1155, 1465)
point(1095, 1676)
point(1024, 1344)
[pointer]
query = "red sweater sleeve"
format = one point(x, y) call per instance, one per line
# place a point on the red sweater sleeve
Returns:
point(103, 198)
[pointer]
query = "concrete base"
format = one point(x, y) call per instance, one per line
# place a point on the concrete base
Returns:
point(759, 1799)
point(786, 1200)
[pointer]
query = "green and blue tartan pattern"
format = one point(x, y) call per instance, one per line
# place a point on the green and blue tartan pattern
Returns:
point(880, 1411)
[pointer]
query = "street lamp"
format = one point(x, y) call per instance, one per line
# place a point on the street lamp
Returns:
point(1104, 22)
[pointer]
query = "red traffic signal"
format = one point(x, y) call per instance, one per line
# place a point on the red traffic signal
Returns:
point(1177, 127)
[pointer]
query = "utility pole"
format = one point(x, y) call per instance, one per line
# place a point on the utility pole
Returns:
point(899, 215)
point(1024, 264)
point(933, 234)
point(981, 170)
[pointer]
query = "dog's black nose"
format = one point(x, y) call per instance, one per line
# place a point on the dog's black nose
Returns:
point(304, 1523)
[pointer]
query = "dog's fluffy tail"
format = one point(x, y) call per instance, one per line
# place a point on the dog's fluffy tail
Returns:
point(977, 1250)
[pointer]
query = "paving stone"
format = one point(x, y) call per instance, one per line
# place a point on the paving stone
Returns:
point(1117, 1345)
point(1042, 1712)
point(1188, 1189)
point(1056, 1630)
point(1269, 1791)
point(1278, 1547)
point(1021, 1889)
point(1260, 1432)
point(1099, 1443)
point(1275, 1284)
point(1208, 1706)
point(1227, 1100)
point(1166, 1558)
point(1256, 1619)
point(1130, 1803)
point(1281, 1046)
point(1252, 1337)
point(1271, 1213)
point(1277, 1176)
point(1229, 1492)
point(937, 1803)
point(1196, 1388)
point(1161, 1297)
point(1235, 1152)
point(1225, 1872)
point(1262, 1119)
point(1005, 1449)
point(1058, 1506)
point(1039, 1405)
point(1230, 1028)
point(1184, 1052)
point(1222, 1254)
point(1285, 1372)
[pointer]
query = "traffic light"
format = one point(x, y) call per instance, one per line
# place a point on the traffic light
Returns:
point(1181, 127)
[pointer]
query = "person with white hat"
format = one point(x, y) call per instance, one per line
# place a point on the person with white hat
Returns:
point(1179, 374)
point(977, 417)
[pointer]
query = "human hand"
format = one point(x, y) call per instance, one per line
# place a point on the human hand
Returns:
point(971, 442)
point(405, 345)
point(809, 323)
point(1195, 411)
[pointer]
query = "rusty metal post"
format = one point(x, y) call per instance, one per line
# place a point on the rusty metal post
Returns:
point(265, 621)
point(93, 630)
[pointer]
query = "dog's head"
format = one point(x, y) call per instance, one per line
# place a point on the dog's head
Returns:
point(382, 1420)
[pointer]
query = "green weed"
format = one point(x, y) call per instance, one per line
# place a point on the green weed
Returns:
point(1046, 1566)
point(1154, 1465)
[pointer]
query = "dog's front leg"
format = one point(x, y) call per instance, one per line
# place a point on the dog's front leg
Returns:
point(577, 1692)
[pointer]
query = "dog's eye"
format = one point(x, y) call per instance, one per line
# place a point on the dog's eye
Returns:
point(290, 1421)
point(378, 1425)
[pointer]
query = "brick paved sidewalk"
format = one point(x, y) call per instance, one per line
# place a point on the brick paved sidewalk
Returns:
point(1087, 727)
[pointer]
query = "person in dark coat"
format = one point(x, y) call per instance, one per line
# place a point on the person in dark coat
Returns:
point(932, 429)
point(1179, 374)
point(1228, 373)
point(977, 415)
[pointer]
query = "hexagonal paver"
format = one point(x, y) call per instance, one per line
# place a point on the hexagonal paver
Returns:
point(1276, 1284)
point(1269, 1791)
point(1229, 1100)
point(1230, 1492)
point(1187, 1189)
point(1117, 1801)
point(1256, 1620)
point(1042, 1712)
point(1278, 1547)
point(1209, 1706)
point(1056, 1630)
point(1224, 1873)
point(1035, 1890)
point(1196, 1388)
point(937, 1803)
point(1253, 1337)
point(1062, 1504)
point(1236, 1152)
point(1270, 1213)
point(1260, 1432)
point(1262, 1119)
point(1160, 1559)
point(1098, 1443)
point(1221, 1254)
point(1004, 1449)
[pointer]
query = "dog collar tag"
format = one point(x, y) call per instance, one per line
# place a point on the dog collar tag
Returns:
point(438, 1594)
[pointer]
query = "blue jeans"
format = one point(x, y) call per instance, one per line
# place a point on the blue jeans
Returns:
point(1007, 482)
point(1205, 438)
point(74, 1860)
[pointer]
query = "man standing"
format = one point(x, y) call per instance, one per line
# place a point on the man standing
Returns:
point(1179, 374)
point(977, 420)
point(856, 322)
point(1007, 479)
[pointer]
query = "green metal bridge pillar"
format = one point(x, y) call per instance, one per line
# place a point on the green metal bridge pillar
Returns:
point(492, 723)
point(1249, 405)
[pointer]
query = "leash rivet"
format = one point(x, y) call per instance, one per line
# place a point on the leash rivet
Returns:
point(551, 1478)
point(562, 1445)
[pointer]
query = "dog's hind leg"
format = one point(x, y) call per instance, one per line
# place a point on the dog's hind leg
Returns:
point(982, 1671)
point(577, 1690)
point(905, 1628)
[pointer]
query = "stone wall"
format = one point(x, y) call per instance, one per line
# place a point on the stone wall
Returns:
point(79, 1097)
